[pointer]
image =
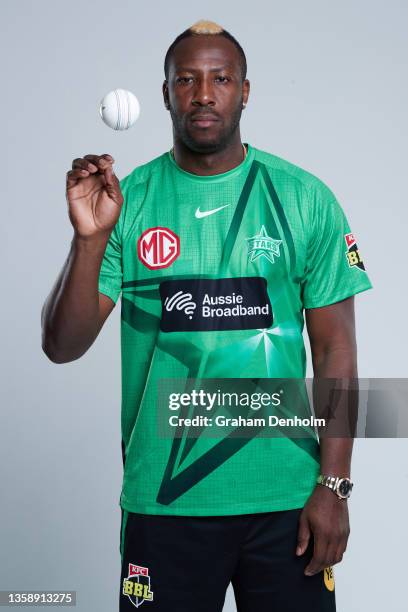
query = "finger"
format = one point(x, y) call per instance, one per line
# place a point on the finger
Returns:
point(331, 553)
point(112, 185)
point(99, 160)
point(76, 161)
point(318, 561)
point(74, 175)
point(303, 536)
point(84, 164)
point(340, 551)
point(109, 176)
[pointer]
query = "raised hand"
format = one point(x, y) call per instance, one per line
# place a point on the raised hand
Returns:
point(93, 195)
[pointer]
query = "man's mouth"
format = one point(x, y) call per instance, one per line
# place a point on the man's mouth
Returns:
point(203, 120)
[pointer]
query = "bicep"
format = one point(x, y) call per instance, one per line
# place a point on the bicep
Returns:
point(331, 328)
point(106, 305)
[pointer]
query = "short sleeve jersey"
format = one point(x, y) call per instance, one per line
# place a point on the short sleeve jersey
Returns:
point(214, 274)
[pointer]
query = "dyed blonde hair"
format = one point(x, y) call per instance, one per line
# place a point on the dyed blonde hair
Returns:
point(205, 28)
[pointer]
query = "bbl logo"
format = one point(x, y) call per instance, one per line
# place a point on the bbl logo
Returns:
point(352, 253)
point(137, 585)
point(328, 576)
point(158, 247)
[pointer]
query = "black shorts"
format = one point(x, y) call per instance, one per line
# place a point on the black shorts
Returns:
point(185, 564)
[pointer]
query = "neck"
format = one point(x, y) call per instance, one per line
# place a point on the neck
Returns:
point(205, 164)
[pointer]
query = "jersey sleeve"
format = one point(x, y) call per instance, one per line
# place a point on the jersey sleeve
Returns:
point(111, 272)
point(334, 267)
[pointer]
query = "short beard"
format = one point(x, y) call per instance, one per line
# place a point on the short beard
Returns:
point(215, 146)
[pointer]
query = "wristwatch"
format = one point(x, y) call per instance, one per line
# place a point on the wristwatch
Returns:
point(341, 486)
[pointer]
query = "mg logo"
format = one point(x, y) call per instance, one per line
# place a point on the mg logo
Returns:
point(158, 247)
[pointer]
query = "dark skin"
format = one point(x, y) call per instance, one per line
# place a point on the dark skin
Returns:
point(331, 332)
point(205, 94)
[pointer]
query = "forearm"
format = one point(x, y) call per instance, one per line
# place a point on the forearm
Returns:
point(334, 352)
point(70, 315)
point(336, 453)
point(335, 456)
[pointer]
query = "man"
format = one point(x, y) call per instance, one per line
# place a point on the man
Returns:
point(217, 248)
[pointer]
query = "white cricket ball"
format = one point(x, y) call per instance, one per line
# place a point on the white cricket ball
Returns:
point(119, 109)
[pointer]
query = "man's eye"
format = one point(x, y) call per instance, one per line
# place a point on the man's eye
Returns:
point(184, 80)
point(222, 79)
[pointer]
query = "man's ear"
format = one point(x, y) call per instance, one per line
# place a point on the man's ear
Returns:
point(166, 95)
point(245, 92)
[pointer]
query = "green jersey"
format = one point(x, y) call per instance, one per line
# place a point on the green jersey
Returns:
point(214, 273)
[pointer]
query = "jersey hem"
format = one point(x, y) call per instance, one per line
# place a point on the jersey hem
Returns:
point(250, 508)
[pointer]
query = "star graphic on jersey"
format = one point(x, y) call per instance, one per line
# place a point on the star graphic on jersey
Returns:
point(263, 245)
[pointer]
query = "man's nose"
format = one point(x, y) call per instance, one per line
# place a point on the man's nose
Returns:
point(203, 93)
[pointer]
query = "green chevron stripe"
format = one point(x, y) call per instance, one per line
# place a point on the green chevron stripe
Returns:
point(280, 213)
point(237, 218)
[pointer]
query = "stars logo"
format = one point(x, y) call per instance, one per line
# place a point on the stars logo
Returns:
point(263, 245)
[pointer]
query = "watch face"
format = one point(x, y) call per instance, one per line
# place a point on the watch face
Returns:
point(344, 488)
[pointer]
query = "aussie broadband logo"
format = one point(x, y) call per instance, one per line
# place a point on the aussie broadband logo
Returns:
point(181, 301)
point(215, 304)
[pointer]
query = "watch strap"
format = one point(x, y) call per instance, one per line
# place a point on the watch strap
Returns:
point(333, 482)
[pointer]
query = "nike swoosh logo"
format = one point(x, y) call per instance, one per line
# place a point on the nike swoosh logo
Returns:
point(200, 214)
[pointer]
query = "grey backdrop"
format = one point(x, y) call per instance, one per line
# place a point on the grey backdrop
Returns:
point(329, 92)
